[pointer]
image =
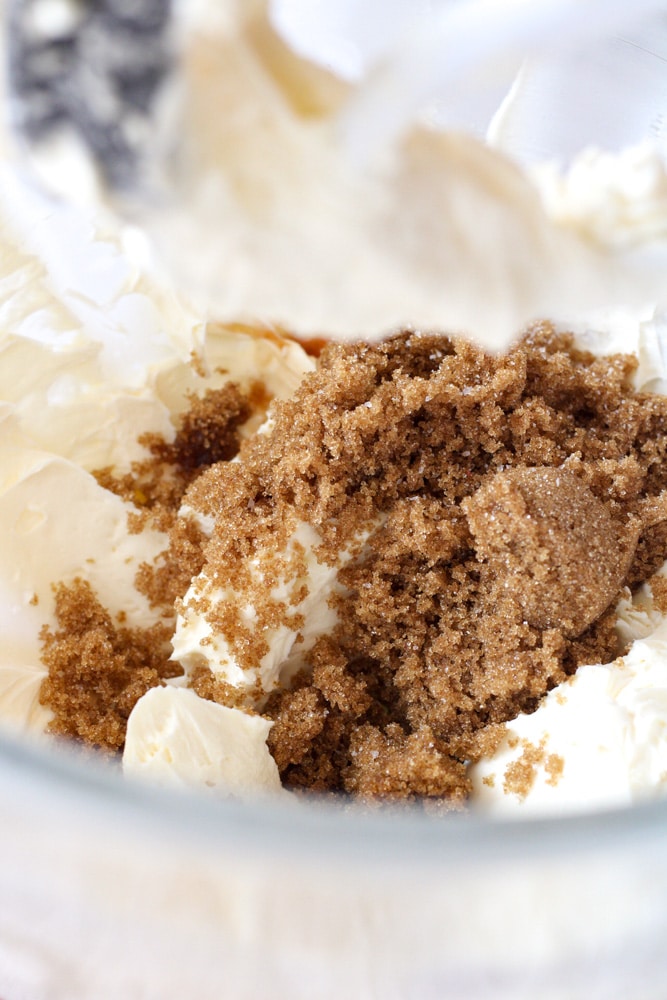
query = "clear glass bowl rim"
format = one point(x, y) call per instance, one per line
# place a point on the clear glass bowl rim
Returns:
point(54, 778)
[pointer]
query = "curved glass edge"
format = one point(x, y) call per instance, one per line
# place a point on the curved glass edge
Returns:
point(54, 776)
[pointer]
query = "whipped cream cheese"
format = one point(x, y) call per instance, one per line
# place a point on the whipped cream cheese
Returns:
point(444, 232)
point(599, 740)
point(616, 200)
point(272, 210)
point(423, 218)
point(176, 739)
point(197, 644)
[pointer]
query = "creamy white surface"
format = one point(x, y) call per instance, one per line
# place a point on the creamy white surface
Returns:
point(607, 724)
point(278, 214)
point(616, 200)
point(176, 739)
point(441, 231)
point(196, 644)
point(103, 343)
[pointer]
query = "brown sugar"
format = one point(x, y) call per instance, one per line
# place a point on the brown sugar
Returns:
point(552, 545)
point(520, 775)
point(659, 592)
point(208, 432)
point(166, 579)
point(98, 671)
point(449, 622)
point(209, 429)
point(483, 514)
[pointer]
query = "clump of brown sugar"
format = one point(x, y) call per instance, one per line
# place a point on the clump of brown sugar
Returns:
point(521, 774)
point(495, 507)
point(551, 545)
point(208, 432)
point(98, 670)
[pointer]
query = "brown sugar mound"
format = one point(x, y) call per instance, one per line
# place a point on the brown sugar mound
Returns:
point(97, 670)
point(497, 506)
point(551, 544)
point(482, 514)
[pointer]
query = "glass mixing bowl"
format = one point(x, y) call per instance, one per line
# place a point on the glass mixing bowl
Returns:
point(110, 889)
